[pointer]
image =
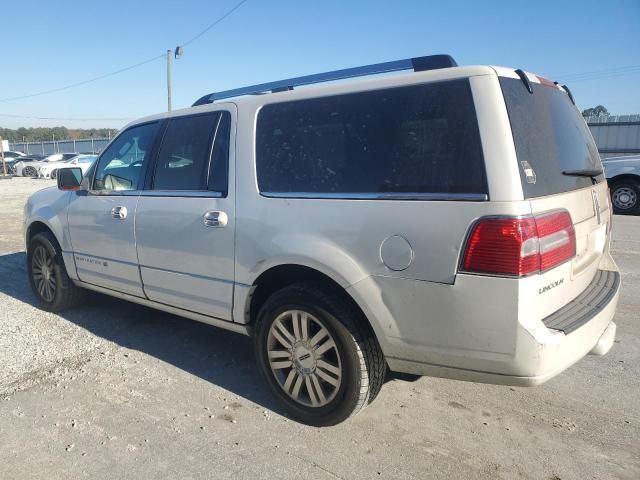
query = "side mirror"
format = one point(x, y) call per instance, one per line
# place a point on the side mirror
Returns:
point(69, 178)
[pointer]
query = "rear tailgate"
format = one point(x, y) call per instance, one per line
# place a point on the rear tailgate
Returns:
point(589, 210)
point(558, 163)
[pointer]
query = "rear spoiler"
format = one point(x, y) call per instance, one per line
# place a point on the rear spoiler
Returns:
point(527, 83)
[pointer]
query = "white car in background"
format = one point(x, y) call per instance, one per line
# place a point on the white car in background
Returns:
point(50, 169)
point(32, 168)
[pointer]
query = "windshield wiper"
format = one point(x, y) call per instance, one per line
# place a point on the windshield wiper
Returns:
point(591, 173)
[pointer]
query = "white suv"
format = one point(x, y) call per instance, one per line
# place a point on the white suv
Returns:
point(446, 221)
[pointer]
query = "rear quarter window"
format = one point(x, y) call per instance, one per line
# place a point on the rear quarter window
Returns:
point(416, 139)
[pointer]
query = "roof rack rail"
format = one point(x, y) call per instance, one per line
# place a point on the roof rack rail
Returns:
point(417, 64)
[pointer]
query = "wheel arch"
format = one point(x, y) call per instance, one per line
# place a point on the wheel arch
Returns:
point(35, 227)
point(283, 275)
point(39, 225)
point(623, 176)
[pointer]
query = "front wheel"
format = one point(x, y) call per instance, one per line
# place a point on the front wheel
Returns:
point(316, 355)
point(47, 274)
point(625, 197)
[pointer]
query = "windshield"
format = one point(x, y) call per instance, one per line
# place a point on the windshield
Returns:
point(550, 137)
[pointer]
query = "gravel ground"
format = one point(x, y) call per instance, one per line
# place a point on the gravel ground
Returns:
point(115, 390)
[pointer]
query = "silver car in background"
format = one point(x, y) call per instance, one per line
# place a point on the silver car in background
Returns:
point(623, 175)
point(442, 220)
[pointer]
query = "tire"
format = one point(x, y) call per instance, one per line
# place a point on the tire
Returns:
point(53, 174)
point(625, 196)
point(29, 171)
point(48, 277)
point(332, 385)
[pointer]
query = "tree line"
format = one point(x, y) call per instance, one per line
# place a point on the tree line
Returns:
point(43, 134)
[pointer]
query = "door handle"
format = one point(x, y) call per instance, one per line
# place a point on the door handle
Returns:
point(119, 212)
point(214, 218)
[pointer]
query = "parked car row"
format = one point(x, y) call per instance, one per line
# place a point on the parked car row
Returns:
point(45, 166)
point(30, 167)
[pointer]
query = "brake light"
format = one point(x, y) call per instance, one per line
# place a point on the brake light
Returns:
point(520, 246)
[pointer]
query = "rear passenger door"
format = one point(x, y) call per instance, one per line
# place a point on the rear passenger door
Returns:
point(185, 218)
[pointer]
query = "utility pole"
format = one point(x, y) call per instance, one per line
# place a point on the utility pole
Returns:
point(168, 80)
point(176, 54)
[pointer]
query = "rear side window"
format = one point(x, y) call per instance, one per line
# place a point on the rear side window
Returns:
point(417, 139)
point(185, 156)
point(550, 137)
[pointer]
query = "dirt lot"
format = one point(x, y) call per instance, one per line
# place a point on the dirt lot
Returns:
point(115, 390)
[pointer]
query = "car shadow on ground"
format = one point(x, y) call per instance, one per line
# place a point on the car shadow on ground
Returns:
point(215, 355)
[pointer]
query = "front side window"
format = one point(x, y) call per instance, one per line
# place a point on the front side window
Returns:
point(415, 139)
point(120, 167)
point(186, 159)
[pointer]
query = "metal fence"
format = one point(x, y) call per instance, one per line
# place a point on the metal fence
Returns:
point(85, 145)
point(616, 135)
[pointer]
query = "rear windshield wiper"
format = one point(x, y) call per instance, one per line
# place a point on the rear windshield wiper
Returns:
point(591, 173)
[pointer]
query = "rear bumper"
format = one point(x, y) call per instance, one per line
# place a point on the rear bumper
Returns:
point(488, 344)
point(549, 362)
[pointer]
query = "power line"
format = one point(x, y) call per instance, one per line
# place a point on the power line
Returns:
point(130, 67)
point(62, 118)
point(600, 74)
point(604, 77)
point(242, 2)
point(66, 87)
point(598, 71)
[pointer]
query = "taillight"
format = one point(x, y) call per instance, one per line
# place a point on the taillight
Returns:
point(519, 246)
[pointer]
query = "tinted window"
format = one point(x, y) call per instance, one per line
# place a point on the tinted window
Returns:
point(551, 136)
point(418, 139)
point(184, 156)
point(120, 166)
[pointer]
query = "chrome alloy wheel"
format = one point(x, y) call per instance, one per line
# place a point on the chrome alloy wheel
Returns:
point(43, 274)
point(304, 358)
point(624, 198)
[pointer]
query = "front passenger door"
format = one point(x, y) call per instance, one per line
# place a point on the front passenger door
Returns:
point(101, 220)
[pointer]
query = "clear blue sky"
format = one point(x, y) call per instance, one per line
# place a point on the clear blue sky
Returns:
point(52, 44)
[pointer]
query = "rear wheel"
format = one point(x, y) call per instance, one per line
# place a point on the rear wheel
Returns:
point(315, 355)
point(625, 197)
point(47, 274)
point(29, 172)
point(54, 173)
